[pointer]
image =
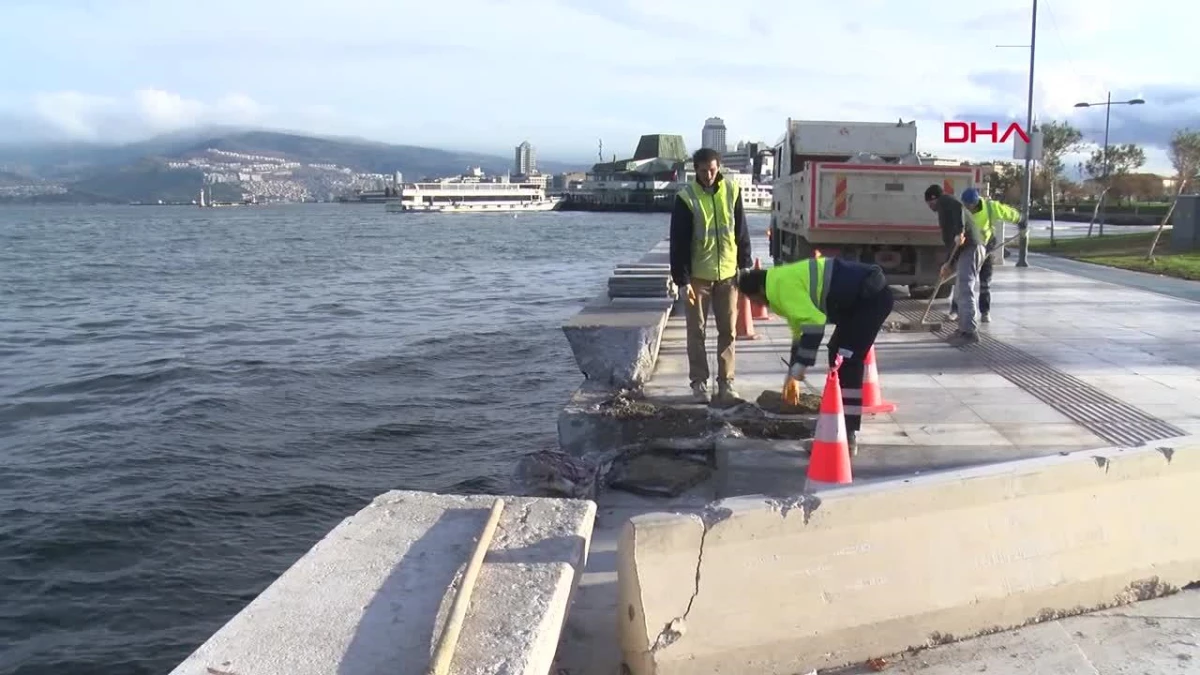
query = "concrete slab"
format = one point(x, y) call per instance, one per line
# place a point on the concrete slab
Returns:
point(372, 595)
point(616, 341)
point(848, 574)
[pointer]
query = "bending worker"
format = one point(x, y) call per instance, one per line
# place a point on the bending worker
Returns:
point(986, 212)
point(853, 296)
point(709, 244)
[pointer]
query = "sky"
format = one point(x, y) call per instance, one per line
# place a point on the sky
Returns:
point(483, 75)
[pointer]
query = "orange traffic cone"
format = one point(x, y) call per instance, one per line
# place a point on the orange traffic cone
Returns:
point(873, 401)
point(829, 460)
point(760, 312)
point(745, 320)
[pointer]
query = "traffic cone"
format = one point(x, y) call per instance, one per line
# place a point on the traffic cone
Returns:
point(829, 460)
point(760, 312)
point(873, 401)
point(745, 320)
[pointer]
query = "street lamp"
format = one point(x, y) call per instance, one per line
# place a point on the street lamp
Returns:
point(1108, 104)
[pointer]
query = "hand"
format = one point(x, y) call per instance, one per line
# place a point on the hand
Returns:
point(691, 295)
point(946, 271)
point(960, 239)
point(1022, 226)
point(791, 391)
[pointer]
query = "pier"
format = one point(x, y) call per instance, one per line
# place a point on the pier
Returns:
point(1024, 509)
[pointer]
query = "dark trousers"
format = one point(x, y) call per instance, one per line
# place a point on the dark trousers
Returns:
point(985, 287)
point(856, 331)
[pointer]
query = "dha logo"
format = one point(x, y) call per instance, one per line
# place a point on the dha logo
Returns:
point(963, 132)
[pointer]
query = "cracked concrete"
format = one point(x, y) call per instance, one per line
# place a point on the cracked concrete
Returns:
point(373, 595)
point(867, 571)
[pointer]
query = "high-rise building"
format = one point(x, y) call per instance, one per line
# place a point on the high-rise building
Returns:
point(525, 160)
point(713, 134)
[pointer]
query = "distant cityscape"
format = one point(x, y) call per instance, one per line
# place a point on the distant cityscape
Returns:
point(646, 179)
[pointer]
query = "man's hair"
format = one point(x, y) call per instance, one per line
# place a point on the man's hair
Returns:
point(704, 156)
point(753, 282)
point(933, 192)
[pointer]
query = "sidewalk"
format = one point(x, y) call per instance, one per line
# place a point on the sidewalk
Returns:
point(1068, 363)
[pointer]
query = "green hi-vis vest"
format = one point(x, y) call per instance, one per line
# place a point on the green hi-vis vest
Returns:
point(798, 291)
point(987, 215)
point(714, 246)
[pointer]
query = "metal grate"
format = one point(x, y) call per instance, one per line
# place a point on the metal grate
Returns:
point(1109, 418)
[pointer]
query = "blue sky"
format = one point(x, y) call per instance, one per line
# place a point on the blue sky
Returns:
point(485, 74)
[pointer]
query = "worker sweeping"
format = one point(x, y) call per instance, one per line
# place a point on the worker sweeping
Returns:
point(811, 293)
point(986, 212)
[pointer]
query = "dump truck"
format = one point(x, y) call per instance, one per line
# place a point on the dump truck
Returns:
point(856, 190)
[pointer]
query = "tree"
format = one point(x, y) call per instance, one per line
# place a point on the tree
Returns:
point(1006, 181)
point(1185, 157)
point(1058, 139)
point(1122, 159)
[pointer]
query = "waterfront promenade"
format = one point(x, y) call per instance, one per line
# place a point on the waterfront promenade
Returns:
point(1068, 363)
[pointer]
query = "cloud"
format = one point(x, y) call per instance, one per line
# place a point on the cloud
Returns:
point(79, 116)
point(485, 74)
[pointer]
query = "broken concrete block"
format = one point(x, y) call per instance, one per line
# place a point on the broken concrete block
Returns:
point(780, 586)
point(372, 596)
point(617, 346)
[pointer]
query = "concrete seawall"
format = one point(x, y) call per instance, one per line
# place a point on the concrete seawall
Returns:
point(840, 576)
point(372, 596)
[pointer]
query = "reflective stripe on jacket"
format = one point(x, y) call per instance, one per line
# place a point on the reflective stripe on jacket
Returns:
point(714, 244)
point(798, 292)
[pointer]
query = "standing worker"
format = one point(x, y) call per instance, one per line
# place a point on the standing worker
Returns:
point(986, 212)
point(964, 257)
point(812, 293)
point(709, 244)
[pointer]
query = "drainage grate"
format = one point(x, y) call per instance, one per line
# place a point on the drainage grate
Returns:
point(1109, 418)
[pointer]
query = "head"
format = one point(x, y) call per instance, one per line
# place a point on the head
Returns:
point(971, 200)
point(706, 162)
point(932, 193)
point(753, 284)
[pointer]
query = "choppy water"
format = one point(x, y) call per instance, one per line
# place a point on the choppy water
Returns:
point(190, 398)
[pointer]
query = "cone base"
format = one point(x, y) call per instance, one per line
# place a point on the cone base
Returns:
point(882, 408)
point(829, 462)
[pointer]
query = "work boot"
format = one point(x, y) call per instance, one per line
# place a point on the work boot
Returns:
point(962, 339)
point(700, 392)
point(985, 317)
point(726, 393)
point(952, 315)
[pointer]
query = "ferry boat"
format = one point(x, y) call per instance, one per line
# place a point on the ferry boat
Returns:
point(451, 196)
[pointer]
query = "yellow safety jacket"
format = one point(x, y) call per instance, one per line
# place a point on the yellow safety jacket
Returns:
point(798, 292)
point(714, 244)
point(991, 210)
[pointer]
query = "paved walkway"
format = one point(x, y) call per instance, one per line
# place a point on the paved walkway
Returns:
point(1069, 363)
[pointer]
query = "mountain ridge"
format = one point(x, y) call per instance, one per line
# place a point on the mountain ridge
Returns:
point(151, 169)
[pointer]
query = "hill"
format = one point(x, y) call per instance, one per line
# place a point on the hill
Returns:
point(170, 167)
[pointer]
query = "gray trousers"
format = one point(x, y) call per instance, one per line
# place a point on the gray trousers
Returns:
point(966, 287)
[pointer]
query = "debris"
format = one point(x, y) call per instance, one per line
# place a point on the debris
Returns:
point(554, 473)
point(771, 401)
point(877, 664)
point(658, 472)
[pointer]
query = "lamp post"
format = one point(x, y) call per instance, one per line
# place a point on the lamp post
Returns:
point(1108, 103)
